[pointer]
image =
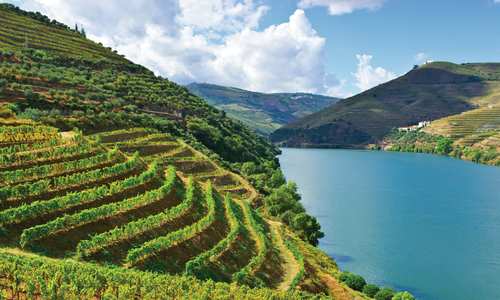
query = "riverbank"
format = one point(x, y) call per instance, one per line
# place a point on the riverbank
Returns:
point(392, 218)
point(422, 142)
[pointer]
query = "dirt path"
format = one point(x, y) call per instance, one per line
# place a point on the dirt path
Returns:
point(337, 290)
point(289, 264)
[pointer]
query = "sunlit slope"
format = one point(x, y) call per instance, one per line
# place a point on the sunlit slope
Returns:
point(479, 127)
point(23, 31)
point(145, 200)
point(54, 74)
point(103, 162)
point(429, 92)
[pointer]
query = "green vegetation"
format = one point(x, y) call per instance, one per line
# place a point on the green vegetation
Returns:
point(384, 294)
point(246, 275)
point(284, 202)
point(37, 208)
point(199, 265)
point(358, 283)
point(38, 172)
point(68, 279)
point(422, 142)
point(299, 257)
point(95, 159)
point(154, 246)
point(426, 93)
point(91, 215)
point(262, 112)
point(371, 290)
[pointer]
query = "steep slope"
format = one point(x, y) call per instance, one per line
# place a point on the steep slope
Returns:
point(66, 80)
point(105, 163)
point(429, 92)
point(261, 112)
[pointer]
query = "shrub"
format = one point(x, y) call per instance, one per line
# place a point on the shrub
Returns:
point(403, 296)
point(384, 294)
point(444, 145)
point(371, 290)
point(355, 282)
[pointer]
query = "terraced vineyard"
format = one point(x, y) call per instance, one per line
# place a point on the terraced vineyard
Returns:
point(478, 126)
point(143, 200)
point(108, 171)
point(471, 135)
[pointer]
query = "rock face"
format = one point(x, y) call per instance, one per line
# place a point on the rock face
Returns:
point(429, 92)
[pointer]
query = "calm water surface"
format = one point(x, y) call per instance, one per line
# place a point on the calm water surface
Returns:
point(423, 223)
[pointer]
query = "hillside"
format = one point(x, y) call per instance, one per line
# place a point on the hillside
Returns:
point(259, 111)
point(108, 171)
point(429, 92)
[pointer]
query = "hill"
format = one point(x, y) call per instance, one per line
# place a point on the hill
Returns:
point(429, 92)
point(117, 184)
point(259, 111)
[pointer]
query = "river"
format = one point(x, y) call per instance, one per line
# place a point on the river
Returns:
point(417, 222)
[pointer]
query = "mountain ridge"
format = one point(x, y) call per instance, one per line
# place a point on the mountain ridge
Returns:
point(426, 93)
point(263, 112)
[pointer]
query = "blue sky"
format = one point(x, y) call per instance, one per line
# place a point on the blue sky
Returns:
point(334, 47)
point(451, 30)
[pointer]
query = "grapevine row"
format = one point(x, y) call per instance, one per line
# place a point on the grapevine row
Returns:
point(26, 133)
point(94, 214)
point(37, 172)
point(58, 152)
point(159, 244)
point(198, 265)
point(42, 278)
point(39, 208)
point(86, 248)
point(31, 189)
point(55, 141)
point(290, 244)
point(245, 275)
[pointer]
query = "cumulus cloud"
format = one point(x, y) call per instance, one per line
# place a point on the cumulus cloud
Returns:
point(368, 76)
point(340, 7)
point(216, 41)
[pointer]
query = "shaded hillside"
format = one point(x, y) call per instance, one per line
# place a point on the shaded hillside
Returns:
point(429, 92)
point(261, 112)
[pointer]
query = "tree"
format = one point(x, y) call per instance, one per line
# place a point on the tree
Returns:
point(444, 145)
point(403, 296)
point(384, 294)
point(371, 290)
point(309, 229)
point(354, 281)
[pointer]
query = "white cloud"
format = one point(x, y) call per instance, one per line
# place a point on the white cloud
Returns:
point(368, 76)
point(216, 41)
point(421, 57)
point(340, 7)
point(225, 15)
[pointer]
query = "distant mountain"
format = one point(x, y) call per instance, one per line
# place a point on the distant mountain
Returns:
point(262, 112)
point(429, 92)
